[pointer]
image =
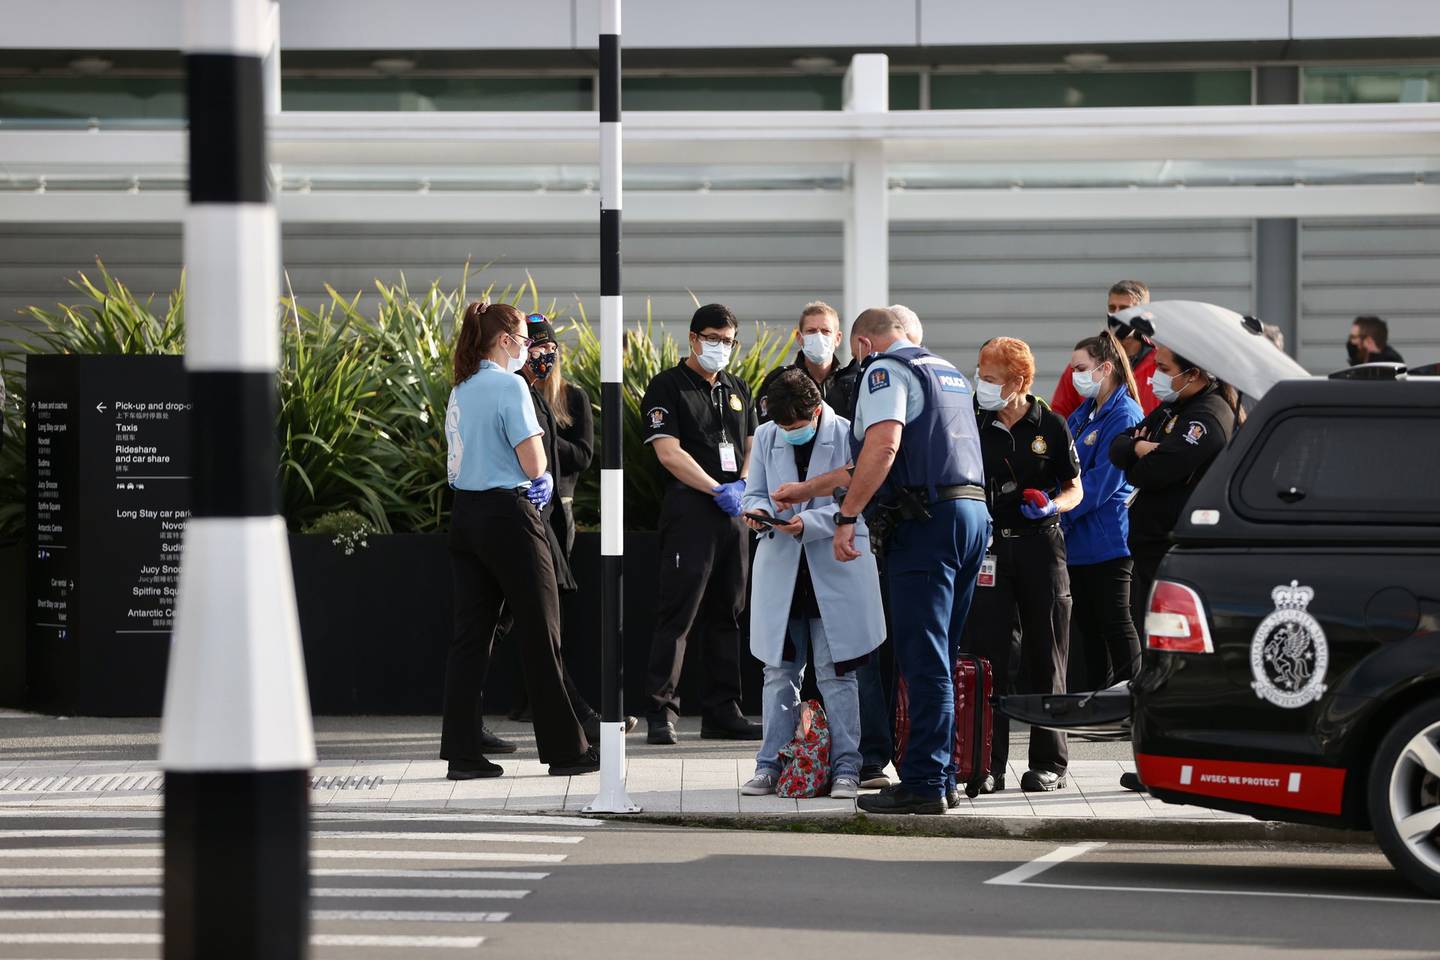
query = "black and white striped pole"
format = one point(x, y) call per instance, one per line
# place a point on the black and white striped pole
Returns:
point(612, 797)
point(236, 742)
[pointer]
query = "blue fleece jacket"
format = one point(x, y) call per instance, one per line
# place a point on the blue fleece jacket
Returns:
point(1096, 530)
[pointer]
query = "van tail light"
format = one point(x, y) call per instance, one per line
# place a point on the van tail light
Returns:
point(1176, 622)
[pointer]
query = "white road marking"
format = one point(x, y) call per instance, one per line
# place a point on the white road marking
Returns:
point(58, 872)
point(8, 893)
point(81, 832)
point(427, 835)
point(1039, 865)
point(43, 853)
point(417, 916)
point(416, 893)
point(319, 940)
point(1182, 891)
point(525, 819)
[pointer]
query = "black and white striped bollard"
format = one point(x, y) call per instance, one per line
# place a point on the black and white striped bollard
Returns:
point(612, 797)
point(236, 742)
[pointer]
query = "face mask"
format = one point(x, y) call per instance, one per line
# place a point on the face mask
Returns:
point(990, 396)
point(1353, 353)
point(800, 435)
point(1163, 386)
point(1085, 383)
point(513, 364)
point(862, 348)
point(542, 365)
point(819, 348)
point(714, 356)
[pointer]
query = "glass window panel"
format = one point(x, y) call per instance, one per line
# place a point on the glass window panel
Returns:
point(974, 91)
point(733, 93)
point(1417, 84)
point(81, 98)
point(437, 93)
point(904, 91)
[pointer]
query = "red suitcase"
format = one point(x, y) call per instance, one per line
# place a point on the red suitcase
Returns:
point(974, 684)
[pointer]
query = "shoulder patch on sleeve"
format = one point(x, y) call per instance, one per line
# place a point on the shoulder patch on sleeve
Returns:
point(1195, 432)
point(656, 417)
point(879, 379)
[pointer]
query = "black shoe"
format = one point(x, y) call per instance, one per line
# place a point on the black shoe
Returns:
point(1131, 781)
point(728, 723)
point(489, 743)
point(992, 783)
point(661, 732)
point(952, 798)
point(1042, 781)
point(587, 762)
point(898, 799)
point(591, 725)
point(873, 778)
point(481, 769)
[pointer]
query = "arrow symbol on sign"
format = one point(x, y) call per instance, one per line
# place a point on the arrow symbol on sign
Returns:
point(100, 407)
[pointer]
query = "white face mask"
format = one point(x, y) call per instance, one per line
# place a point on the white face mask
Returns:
point(990, 396)
point(714, 357)
point(1086, 383)
point(513, 364)
point(1163, 386)
point(819, 348)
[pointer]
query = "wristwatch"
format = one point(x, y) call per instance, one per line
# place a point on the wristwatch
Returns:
point(843, 521)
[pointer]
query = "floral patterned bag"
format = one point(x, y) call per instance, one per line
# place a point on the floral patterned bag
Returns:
point(806, 759)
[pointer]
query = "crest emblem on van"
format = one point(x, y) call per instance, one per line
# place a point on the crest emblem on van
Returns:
point(1289, 654)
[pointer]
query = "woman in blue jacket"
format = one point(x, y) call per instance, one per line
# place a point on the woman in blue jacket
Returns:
point(1096, 530)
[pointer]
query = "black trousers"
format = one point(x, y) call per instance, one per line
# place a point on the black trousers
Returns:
point(1145, 559)
point(704, 564)
point(499, 557)
point(1101, 596)
point(1031, 592)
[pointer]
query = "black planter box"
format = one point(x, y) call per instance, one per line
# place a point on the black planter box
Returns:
point(12, 625)
point(376, 626)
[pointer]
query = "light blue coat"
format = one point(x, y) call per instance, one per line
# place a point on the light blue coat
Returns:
point(848, 593)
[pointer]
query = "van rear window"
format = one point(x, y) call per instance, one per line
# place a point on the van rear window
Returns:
point(1346, 468)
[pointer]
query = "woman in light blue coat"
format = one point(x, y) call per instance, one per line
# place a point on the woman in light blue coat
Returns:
point(802, 599)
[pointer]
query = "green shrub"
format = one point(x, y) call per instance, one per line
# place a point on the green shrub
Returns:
point(362, 395)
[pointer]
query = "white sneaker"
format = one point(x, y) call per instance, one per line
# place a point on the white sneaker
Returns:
point(844, 788)
point(760, 785)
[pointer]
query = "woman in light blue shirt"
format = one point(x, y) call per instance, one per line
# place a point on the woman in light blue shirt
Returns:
point(499, 555)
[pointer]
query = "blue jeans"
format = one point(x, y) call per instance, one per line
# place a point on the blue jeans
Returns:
point(931, 566)
point(782, 704)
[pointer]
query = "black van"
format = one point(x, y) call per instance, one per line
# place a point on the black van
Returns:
point(1291, 668)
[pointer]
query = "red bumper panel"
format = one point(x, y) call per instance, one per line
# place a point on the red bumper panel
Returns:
point(1315, 789)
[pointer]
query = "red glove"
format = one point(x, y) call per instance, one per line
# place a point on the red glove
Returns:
point(1036, 498)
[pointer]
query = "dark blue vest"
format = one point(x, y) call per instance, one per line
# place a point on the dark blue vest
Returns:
point(940, 447)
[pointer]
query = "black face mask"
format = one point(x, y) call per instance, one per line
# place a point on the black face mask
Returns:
point(542, 365)
point(1355, 355)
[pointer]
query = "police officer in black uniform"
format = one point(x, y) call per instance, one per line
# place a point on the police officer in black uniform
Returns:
point(1032, 476)
point(700, 422)
point(1164, 457)
point(818, 335)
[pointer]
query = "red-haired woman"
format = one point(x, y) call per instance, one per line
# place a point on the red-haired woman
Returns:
point(497, 466)
point(1031, 476)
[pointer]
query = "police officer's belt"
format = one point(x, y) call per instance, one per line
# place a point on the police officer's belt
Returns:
point(961, 491)
point(1011, 533)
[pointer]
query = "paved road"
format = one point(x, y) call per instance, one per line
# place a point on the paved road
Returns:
point(442, 885)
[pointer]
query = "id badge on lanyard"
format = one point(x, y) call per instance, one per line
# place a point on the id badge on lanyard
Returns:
point(986, 578)
point(728, 463)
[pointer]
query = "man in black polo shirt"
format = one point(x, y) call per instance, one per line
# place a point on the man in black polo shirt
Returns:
point(1032, 475)
point(818, 335)
point(700, 422)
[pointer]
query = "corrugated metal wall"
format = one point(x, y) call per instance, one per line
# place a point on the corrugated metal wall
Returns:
point(1389, 268)
point(1044, 283)
point(1047, 283)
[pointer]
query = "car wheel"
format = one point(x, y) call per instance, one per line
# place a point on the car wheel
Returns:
point(1405, 796)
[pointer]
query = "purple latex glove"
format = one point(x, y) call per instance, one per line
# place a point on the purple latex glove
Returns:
point(727, 497)
point(541, 489)
point(1035, 505)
